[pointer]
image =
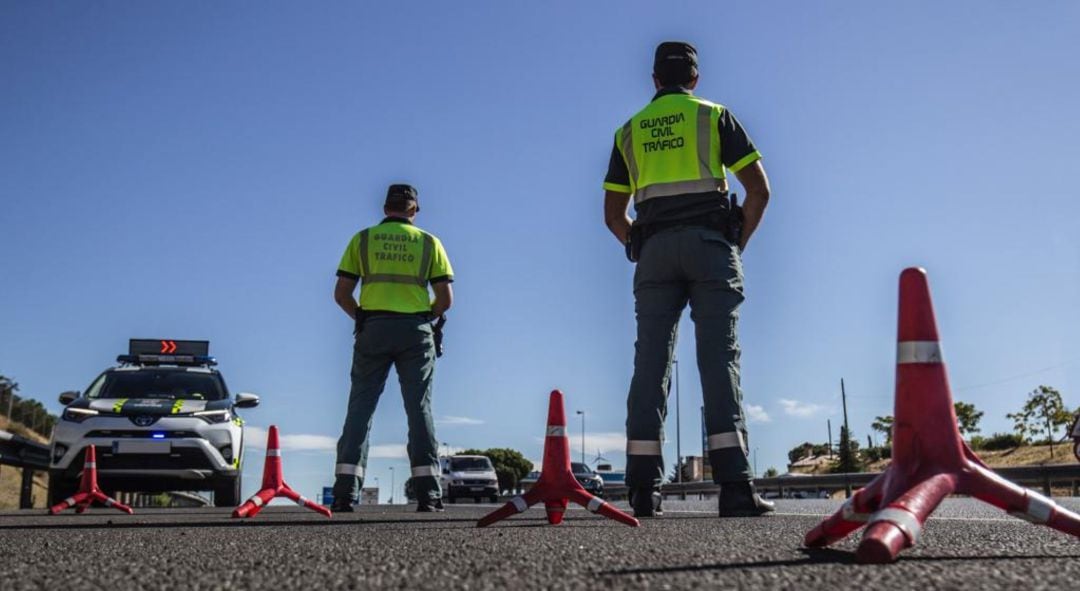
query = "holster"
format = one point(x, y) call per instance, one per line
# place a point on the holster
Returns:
point(361, 316)
point(728, 222)
point(634, 241)
point(438, 334)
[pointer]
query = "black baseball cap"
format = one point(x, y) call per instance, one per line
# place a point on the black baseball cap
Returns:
point(399, 196)
point(675, 57)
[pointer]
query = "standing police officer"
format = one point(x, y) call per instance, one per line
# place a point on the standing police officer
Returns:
point(687, 240)
point(394, 262)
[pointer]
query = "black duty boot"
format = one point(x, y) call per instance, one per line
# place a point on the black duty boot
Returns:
point(646, 502)
point(431, 506)
point(341, 505)
point(739, 499)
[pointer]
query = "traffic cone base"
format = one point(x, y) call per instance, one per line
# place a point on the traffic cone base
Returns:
point(273, 484)
point(557, 487)
point(930, 460)
point(89, 493)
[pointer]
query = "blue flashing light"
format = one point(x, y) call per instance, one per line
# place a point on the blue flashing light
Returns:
point(158, 436)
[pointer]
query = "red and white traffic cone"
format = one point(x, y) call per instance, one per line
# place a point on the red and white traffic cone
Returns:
point(557, 486)
point(273, 484)
point(89, 493)
point(929, 457)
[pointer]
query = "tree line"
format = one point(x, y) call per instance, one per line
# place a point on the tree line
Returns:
point(26, 411)
point(1041, 420)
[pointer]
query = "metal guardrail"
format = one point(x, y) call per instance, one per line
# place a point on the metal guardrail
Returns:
point(20, 452)
point(1044, 476)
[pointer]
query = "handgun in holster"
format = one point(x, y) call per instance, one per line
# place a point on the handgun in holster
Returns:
point(734, 226)
point(635, 239)
point(438, 333)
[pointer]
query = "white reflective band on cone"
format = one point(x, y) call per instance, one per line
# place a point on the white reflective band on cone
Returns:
point(1039, 509)
point(5, 436)
point(257, 501)
point(595, 504)
point(425, 471)
point(273, 453)
point(849, 513)
point(69, 501)
point(90, 465)
point(918, 352)
point(726, 440)
point(519, 504)
point(556, 431)
point(109, 502)
point(349, 470)
point(301, 501)
point(905, 520)
point(639, 447)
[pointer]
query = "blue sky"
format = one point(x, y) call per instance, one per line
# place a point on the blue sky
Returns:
point(195, 170)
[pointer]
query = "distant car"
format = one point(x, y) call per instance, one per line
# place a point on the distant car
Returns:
point(529, 480)
point(162, 420)
point(469, 476)
point(587, 478)
point(1075, 434)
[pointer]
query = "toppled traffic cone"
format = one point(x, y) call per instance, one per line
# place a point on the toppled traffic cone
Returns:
point(557, 485)
point(88, 490)
point(929, 458)
point(273, 484)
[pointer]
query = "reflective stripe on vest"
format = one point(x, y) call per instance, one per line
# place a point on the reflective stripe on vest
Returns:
point(704, 175)
point(419, 279)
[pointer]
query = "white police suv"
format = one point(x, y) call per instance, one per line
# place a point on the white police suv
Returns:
point(162, 420)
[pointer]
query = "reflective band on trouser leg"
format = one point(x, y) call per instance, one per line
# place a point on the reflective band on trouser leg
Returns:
point(349, 470)
point(1039, 509)
point(679, 188)
point(595, 504)
point(556, 431)
point(727, 440)
point(918, 352)
point(519, 504)
point(425, 471)
point(905, 520)
point(638, 447)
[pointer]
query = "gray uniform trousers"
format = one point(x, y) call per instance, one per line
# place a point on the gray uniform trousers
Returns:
point(407, 343)
point(676, 266)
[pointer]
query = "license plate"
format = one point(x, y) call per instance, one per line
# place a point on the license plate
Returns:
point(142, 447)
point(476, 488)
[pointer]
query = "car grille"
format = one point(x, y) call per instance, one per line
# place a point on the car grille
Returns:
point(476, 482)
point(137, 434)
point(179, 459)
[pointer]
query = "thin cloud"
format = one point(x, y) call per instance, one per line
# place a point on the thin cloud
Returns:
point(453, 421)
point(757, 414)
point(802, 410)
point(255, 437)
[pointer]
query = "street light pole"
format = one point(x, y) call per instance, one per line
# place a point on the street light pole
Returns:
point(678, 426)
point(391, 501)
point(582, 413)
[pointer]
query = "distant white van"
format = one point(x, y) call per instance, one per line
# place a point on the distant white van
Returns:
point(468, 476)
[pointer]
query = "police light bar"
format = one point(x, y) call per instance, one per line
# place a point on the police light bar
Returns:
point(139, 347)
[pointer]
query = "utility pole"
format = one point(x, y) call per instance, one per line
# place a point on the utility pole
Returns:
point(391, 501)
point(843, 398)
point(582, 413)
point(828, 422)
point(678, 425)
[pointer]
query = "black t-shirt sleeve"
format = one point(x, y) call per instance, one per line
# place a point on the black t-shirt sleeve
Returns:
point(736, 148)
point(618, 177)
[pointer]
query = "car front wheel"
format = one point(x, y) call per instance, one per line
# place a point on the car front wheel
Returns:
point(227, 492)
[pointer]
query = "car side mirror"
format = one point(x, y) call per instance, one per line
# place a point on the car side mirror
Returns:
point(246, 400)
point(68, 397)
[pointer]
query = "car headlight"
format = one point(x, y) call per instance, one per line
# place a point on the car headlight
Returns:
point(58, 452)
point(458, 483)
point(213, 416)
point(78, 415)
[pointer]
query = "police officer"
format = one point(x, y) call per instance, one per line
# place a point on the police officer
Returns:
point(687, 240)
point(394, 262)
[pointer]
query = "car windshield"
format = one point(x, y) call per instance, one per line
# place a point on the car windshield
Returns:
point(168, 384)
point(470, 464)
point(580, 468)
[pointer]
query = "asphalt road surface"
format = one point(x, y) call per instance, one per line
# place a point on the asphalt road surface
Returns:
point(965, 546)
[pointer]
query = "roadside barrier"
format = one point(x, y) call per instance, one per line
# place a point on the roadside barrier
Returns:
point(557, 485)
point(273, 484)
point(930, 460)
point(89, 492)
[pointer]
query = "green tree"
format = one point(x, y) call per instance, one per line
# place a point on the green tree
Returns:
point(884, 425)
point(1043, 414)
point(849, 453)
point(510, 465)
point(967, 418)
point(771, 472)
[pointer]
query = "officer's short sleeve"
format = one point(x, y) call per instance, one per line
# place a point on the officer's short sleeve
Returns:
point(618, 177)
point(737, 150)
point(349, 266)
point(440, 264)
